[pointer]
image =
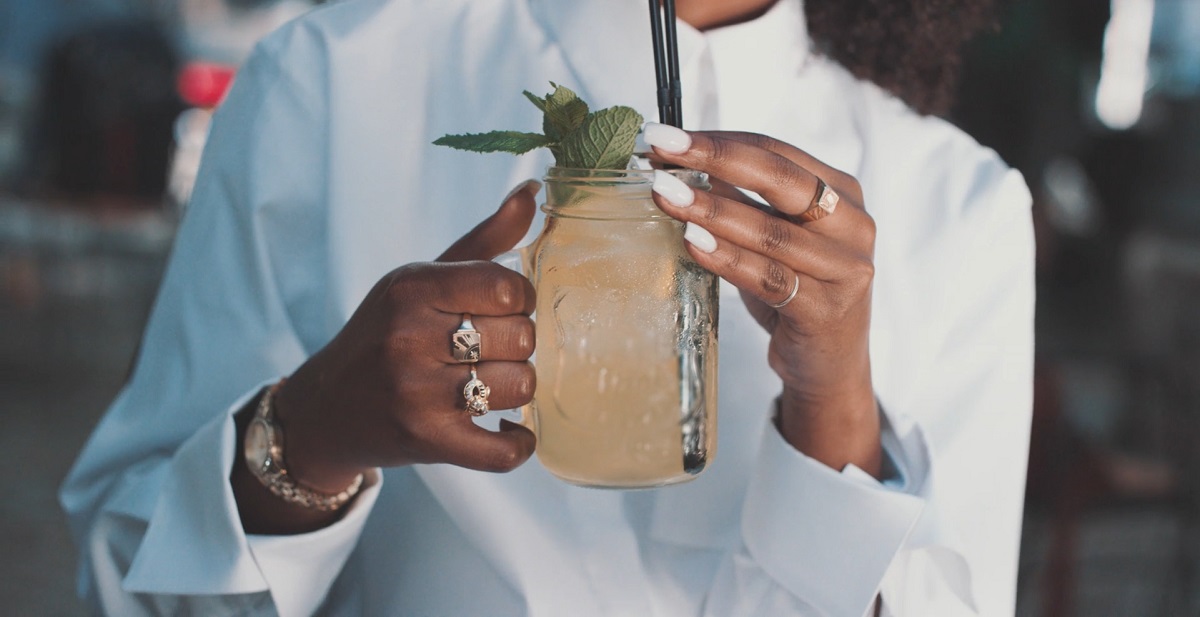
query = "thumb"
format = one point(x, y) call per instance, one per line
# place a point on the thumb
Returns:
point(501, 231)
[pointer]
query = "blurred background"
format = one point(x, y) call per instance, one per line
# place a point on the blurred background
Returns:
point(104, 107)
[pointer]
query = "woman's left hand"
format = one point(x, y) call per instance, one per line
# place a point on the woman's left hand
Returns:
point(807, 282)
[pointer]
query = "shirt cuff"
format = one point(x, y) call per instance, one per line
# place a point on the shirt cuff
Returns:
point(195, 545)
point(934, 541)
point(807, 524)
point(301, 568)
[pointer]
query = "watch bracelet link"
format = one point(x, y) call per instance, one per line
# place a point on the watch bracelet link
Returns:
point(283, 485)
point(288, 490)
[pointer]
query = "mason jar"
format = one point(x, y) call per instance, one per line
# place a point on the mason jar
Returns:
point(626, 327)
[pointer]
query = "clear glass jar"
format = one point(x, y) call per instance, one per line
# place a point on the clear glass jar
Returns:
point(626, 335)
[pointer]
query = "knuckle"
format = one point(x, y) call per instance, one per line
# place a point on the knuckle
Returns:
point(775, 280)
point(524, 339)
point(525, 385)
point(759, 140)
point(868, 230)
point(781, 173)
point(396, 285)
point(710, 213)
point(718, 151)
point(506, 293)
point(852, 186)
point(394, 289)
point(863, 271)
point(514, 338)
point(527, 339)
point(731, 259)
point(773, 236)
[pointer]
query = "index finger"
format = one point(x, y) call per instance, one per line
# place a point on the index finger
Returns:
point(784, 175)
point(784, 149)
point(479, 288)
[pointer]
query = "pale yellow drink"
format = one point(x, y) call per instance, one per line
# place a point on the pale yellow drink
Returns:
point(626, 338)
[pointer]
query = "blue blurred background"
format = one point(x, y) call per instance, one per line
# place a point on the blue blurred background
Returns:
point(104, 106)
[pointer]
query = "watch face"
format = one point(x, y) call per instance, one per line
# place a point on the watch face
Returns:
point(258, 445)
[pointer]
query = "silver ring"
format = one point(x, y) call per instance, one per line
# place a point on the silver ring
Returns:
point(795, 288)
point(476, 394)
point(465, 343)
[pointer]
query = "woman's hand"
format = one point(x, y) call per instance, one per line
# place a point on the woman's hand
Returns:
point(386, 391)
point(820, 271)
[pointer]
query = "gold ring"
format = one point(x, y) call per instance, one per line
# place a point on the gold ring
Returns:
point(792, 295)
point(824, 202)
point(465, 343)
point(476, 394)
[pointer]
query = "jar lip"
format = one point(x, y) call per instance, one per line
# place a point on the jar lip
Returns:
point(632, 176)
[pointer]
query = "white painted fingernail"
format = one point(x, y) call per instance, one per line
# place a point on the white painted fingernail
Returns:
point(666, 137)
point(639, 144)
point(700, 238)
point(675, 190)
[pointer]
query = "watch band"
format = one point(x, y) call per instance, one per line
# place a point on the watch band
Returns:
point(264, 457)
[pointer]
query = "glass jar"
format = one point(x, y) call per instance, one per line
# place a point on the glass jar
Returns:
point(626, 335)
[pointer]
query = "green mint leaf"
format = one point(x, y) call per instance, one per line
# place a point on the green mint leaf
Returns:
point(564, 112)
point(604, 140)
point(577, 138)
point(495, 141)
point(537, 101)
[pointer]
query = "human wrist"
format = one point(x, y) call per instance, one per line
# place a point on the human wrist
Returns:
point(311, 454)
point(260, 510)
point(837, 427)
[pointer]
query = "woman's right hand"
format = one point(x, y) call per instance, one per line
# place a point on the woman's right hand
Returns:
point(386, 391)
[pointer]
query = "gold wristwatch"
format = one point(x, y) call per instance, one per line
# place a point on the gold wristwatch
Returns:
point(263, 449)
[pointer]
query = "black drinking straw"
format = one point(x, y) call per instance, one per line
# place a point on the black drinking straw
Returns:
point(666, 62)
point(673, 65)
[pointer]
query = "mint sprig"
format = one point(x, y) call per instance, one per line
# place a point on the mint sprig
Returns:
point(563, 111)
point(577, 137)
point(605, 140)
point(496, 141)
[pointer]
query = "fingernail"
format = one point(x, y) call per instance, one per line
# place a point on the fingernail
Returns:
point(524, 186)
point(700, 238)
point(673, 189)
point(639, 144)
point(666, 137)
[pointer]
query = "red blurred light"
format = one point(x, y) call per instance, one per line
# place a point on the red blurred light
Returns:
point(204, 84)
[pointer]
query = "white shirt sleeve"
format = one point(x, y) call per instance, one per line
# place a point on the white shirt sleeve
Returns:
point(854, 526)
point(861, 539)
point(149, 499)
point(297, 570)
point(853, 511)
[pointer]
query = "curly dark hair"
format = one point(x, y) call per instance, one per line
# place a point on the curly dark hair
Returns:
point(912, 48)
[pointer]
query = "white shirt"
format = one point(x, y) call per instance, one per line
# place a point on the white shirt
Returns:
point(319, 178)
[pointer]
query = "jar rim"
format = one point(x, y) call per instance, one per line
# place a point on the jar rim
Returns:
point(631, 176)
